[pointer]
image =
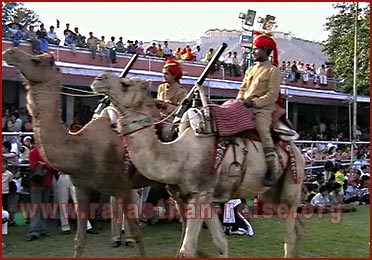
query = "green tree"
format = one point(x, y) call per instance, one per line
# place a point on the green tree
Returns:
point(16, 12)
point(340, 46)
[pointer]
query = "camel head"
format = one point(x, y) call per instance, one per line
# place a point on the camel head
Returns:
point(123, 92)
point(35, 68)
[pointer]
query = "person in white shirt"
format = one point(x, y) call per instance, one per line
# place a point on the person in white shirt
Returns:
point(197, 54)
point(7, 176)
point(321, 200)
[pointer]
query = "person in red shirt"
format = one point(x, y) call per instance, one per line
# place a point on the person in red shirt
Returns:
point(40, 195)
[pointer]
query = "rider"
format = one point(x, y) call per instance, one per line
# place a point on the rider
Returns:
point(171, 92)
point(170, 95)
point(260, 90)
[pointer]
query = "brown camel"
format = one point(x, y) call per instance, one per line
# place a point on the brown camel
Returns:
point(187, 165)
point(93, 156)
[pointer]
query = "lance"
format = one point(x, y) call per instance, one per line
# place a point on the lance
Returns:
point(185, 104)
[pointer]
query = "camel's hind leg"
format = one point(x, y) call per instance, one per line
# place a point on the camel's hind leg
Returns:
point(292, 194)
point(219, 239)
point(132, 223)
point(82, 200)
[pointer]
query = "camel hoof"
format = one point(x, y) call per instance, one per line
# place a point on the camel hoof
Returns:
point(129, 244)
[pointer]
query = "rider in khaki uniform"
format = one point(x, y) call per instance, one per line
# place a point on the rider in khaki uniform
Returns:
point(259, 91)
point(171, 92)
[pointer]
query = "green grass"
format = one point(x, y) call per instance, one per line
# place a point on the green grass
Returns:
point(348, 239)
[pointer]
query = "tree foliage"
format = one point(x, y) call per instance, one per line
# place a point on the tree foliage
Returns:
point(16, 12)
point(340, 46)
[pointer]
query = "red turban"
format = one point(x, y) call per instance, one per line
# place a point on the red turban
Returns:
point(173, 68)
point(262, 40)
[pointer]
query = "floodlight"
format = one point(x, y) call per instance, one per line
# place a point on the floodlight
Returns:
point(249, 20)
point(242, 16)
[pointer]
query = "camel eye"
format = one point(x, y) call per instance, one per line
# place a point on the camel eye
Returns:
point(36, 61)
point(124, 87)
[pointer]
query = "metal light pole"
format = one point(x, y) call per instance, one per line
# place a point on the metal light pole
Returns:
point(355, 79)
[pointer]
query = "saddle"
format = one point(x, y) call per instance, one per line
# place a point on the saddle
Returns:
point(232, 118)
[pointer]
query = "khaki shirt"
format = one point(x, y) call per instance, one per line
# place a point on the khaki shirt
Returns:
point(171, 94)
point(261, 84)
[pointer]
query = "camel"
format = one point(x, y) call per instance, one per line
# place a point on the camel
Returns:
point(94, 156)
point(187, 165)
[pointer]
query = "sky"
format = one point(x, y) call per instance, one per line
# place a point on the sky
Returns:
point(184, 21)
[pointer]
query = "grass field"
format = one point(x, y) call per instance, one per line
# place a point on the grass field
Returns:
point(350, 238)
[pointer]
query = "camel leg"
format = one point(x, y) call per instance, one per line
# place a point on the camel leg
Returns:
point(290, 244)
point(82, 201)
point(193, 225)
point(219, 239)
point(132, 223)
point(181, 209)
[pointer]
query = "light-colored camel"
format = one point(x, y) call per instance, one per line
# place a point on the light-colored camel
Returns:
point(93, 156)
point(187, 165)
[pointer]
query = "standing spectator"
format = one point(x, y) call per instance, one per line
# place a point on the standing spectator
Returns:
point(111, 50)
point(25, 149)
point(235, 65)
point(92, 43)
point(40, 194)
point(7, 176)
point(102, 47)
point(14, 123)
point(5, 220)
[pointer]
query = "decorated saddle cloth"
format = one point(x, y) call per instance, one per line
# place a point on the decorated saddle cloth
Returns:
point(232, 117)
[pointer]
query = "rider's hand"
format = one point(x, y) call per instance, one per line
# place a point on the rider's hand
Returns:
point(248, 103)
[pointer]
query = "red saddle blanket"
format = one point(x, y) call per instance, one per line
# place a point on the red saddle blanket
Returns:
point(232, 117)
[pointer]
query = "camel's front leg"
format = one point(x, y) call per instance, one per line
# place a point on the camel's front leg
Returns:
point(82, 207)
point(193, 221)
point(215, 228)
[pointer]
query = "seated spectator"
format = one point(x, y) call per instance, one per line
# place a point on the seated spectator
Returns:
point(79, 39)
point(42, 36)
point(167, 51)
point(5, 220)
point(208, 56)
point(188, 56)
point(120, 45)
point(321, 200)
point(151, 50)
point(160, 51)
point(322, 75)
point(364, 196)
point(197, 54)
point(351, 193)
point(70, 41)
point(235, 65)
point(52, 36)
point(283, 66)
point(329, 71)
point(15, 33)
point(177, 53)
point(336, 196)
point(140, 50)
point(234, 218)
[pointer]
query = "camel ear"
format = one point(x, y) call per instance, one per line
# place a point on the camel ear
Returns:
point(146, 84)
